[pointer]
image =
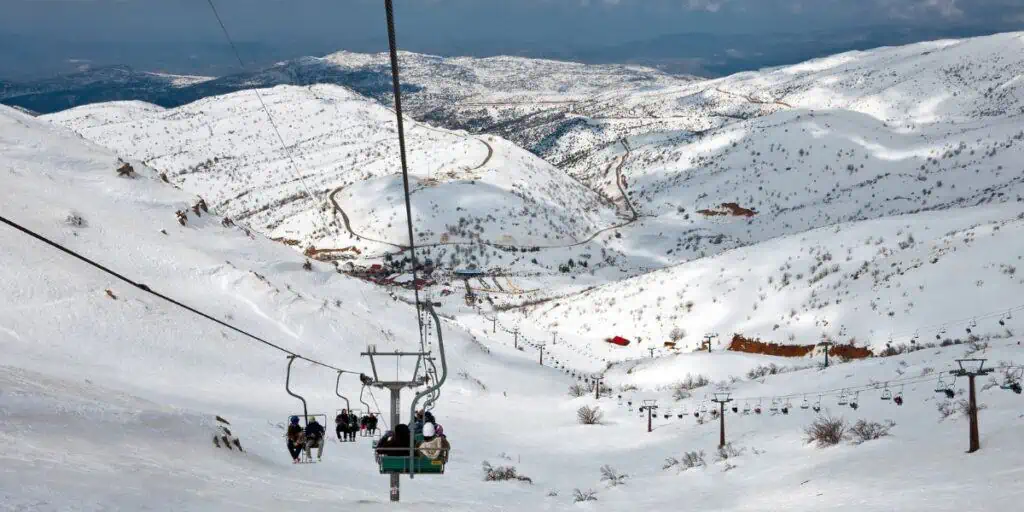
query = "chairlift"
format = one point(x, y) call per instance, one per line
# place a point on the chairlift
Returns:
point(886, 394)
point(805, 405)
point(817, 405)
point(842, 398)
point(787, 406)
point(775, 406)
point(757, 408)
point(853, 403)
point(746, 407)
point(681, 415)
point(938, 335)
point(974, 323)
point(668, 414)
point(735, 408)
point(1009, 316)
point(898, 399)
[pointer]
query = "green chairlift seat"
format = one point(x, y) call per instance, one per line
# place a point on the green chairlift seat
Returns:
point(390, 464)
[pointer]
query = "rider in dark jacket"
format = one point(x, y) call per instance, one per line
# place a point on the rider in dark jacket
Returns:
point(314, 438)
point(341, 424)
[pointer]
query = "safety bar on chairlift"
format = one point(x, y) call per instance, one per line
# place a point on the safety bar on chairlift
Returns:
point(287, 388)
point(435, 387)
point(337, 391)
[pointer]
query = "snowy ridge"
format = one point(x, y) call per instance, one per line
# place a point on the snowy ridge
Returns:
point(465, 188)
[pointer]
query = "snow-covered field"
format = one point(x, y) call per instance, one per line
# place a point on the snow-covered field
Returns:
point(108, 395)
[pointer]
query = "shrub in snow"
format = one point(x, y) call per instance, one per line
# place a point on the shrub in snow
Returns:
point(580, 496)
point(762, 371)
point(690, 460)
point(577, 391)
point(502, 474)
point(608, 474)
point(74, 219)
point(589, 415)
point(826, 431)
point(729, 451)
point(864, 430)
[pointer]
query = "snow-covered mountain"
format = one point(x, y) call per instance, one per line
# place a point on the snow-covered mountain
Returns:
point(341, 148)
point(750, 216)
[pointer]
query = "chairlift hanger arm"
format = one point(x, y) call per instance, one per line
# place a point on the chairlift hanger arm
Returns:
point(437, 385)
point(337, 391)
point(288, 389)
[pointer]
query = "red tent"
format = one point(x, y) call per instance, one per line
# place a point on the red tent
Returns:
point(618, 340)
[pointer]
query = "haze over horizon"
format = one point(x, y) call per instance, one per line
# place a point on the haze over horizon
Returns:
point(709, 37)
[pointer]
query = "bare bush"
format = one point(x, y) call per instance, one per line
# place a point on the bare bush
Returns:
point(502, 474)
point(577, 391)
point(74, 219)
point(581, 496)
point(729, 451)
point(691, 460)
point(608, 474)
point(763, 371)
point(826, 431)
point(864, 430)
point(586, 415)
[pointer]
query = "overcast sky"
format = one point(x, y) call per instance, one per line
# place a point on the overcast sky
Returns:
point(359, 24)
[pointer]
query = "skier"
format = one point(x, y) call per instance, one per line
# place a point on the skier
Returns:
point(314, 439)
point(341, 424)
point(434, 446)
point(363, 423)
point(371, 424)
point(352, 427)
point(296, 439)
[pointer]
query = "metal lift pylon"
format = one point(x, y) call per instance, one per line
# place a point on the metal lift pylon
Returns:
point(395, 387)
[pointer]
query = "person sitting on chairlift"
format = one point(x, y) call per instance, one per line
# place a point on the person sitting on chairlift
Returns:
point(435, 445)
point(422, 417)
point(341, 424)
point(296, 439)
point(371, 424)
point(314, 439)
point(396, 443)
point(352, 427)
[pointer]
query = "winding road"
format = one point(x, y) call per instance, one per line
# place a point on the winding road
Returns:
point(490, 152)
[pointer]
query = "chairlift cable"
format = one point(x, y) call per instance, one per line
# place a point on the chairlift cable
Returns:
point(270, 117)
point(150, 291)
point(396, 84)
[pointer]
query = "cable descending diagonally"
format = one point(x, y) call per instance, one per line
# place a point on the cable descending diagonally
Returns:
point(270, 117)
point(397, 85)
point(150, 291)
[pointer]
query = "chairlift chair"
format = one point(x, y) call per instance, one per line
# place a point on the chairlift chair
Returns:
point(817, 405)
point(853, 402)
point(886, 394)
point(898, 399)
point(787, 406)
point(775, 406)
point(757, 409)
point(842, 398)
point(805, 405)
point(746, 407)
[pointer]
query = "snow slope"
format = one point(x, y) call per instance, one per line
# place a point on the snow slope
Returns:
point(108, 402)
point(345, 150)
